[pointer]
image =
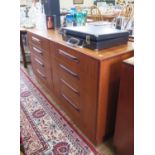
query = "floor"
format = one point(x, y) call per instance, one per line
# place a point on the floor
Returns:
point(21, 153)
point(105, 148)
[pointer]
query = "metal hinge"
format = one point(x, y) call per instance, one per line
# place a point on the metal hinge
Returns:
point(88, 39)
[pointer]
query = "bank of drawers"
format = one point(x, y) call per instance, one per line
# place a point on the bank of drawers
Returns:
point(41, 70)
point(67, 78)
point(39, 48)
point(83, 85)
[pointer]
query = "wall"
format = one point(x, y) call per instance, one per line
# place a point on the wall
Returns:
point(69, 3)
point(26, 2)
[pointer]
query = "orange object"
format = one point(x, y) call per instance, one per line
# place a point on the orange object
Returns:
point(49, 22)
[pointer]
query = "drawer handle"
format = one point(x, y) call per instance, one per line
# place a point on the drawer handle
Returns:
point(69, 71)
point(69, 86)
point(35, 39)
point(40, 73)
point(37, 50)
point(69, 56)
point(39, 62)
point(70, 102)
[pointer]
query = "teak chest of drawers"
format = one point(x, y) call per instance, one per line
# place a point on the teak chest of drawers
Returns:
point(124, 127)
point(84, 82)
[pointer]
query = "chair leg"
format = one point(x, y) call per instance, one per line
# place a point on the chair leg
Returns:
point(22, 149)
point(23, 51)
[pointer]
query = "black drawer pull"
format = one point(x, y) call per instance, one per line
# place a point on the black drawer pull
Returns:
point(35, 39)
point(69, 71)
point(39, 62)
point(37, 50)
point(40, 73)
point(69, 86)
point(68, 56)
point(70, 102)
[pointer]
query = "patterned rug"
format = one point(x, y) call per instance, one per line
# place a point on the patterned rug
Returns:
point(44, 129)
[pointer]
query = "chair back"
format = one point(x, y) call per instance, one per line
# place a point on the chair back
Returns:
point(128, 10)
point(95, 13)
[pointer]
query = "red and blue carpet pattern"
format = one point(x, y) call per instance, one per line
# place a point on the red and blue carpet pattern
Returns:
point(44, 129)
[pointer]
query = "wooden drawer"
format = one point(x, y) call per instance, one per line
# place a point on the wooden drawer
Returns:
point(41, 70)
point(38, 41)
point(69, 101)
point(66, 87)
point(67, 69)
point(41, 75)
point(39, 52)
point(67, 56)
point(70, 77)
point(43, 65)
point(71, 95)
point(71, 111)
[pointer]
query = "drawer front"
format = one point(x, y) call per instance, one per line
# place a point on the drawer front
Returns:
point(69, 77)
point(75, 81)
point(66, 89)
point(67, 56)
point(70, 94)
point(41, 70)
point(68, 106)
point(40, 63)
point(39, 52)
point(41, 75)
point(63, 67)
point(38, 41)
point(66, 86)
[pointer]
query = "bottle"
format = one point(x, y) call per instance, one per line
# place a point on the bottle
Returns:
point(49, 22)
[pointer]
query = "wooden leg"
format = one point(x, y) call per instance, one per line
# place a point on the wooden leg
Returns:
point(23, 51)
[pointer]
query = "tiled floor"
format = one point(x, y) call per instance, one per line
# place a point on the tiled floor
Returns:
point(105, 148)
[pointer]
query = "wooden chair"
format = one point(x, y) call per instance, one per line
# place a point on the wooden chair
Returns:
point(128, 10)
point(95, 13)
point(128, 13)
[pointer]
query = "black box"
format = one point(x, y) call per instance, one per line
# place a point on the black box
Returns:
point(94, 37)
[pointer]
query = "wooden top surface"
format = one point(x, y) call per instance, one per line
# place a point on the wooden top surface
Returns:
point(54, 36)
point(22, 29)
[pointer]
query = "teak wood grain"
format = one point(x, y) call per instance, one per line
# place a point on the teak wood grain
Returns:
point(39, 49)
point(85, 83)
point(124, 128)
point(108, 94)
